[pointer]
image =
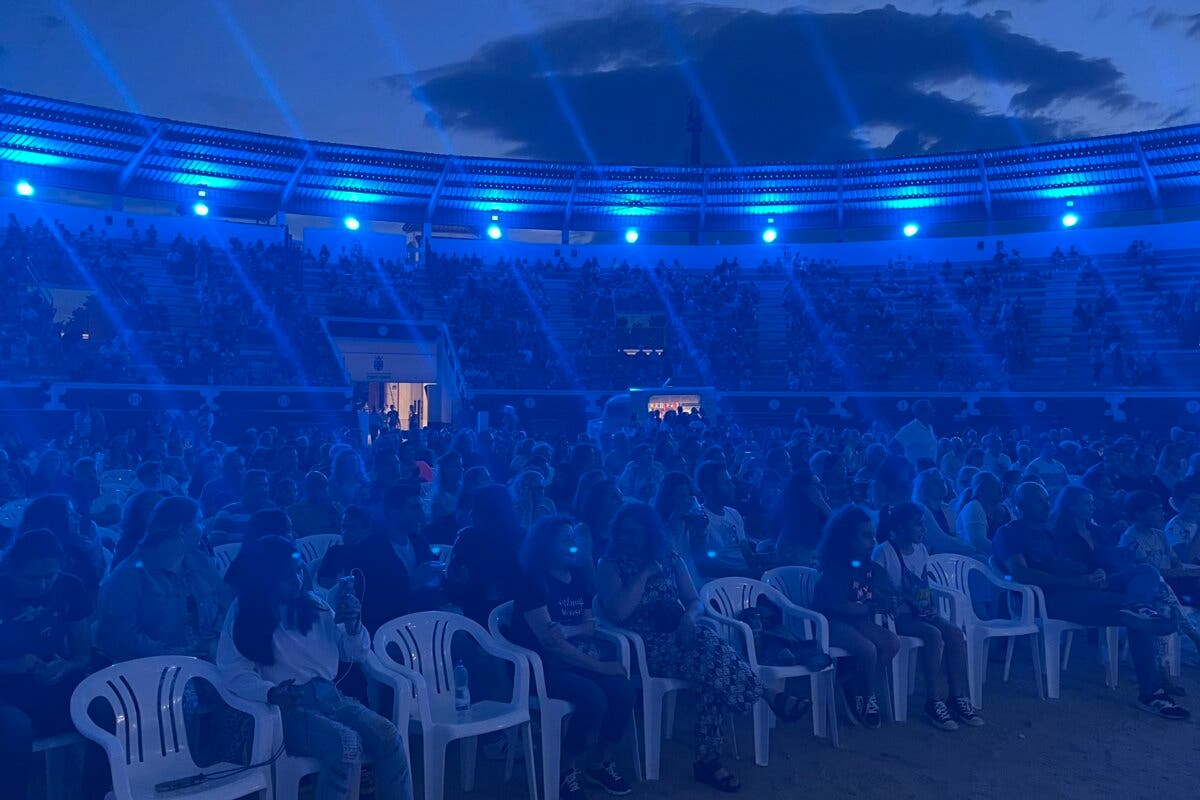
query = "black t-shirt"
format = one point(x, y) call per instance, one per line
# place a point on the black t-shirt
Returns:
point(567, 603)
point(40, 626)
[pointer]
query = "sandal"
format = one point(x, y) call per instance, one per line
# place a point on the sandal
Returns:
point(789, 707)
point(715, 775)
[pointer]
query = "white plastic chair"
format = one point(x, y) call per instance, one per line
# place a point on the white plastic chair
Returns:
point(223, 556)
point(655, 691)
point(313, 548)
point(64, 764)
point(797, 584)
point(149, 745)
point(1053, 631)
point(950, 577)
point(724, 599)
point(442, 552)
point(423, 642)
point(554, 712)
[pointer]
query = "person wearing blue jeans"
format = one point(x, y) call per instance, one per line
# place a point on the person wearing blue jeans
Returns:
point(1026, 551)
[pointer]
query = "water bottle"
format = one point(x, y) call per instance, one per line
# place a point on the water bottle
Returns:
point(462, 691)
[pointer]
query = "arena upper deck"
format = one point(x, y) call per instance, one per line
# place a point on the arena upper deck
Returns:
point(245, 174)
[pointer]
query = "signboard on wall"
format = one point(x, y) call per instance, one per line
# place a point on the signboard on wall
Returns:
point(389, 362)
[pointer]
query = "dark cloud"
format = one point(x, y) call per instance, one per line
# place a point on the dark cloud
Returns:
point(1188, 23)
point(789, 86)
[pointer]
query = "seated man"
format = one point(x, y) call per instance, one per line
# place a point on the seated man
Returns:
point(395, 561)
point(1025, 550)
point(231, 524)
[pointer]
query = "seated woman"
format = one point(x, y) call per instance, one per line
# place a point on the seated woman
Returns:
point(45, 649)
point(645, 586)
point(167, 597)
point(134, 516)
point(82, 553)
point(904, 558)
point(552, 615)
point(281, 645)
point(850, 592)
point(799, 518)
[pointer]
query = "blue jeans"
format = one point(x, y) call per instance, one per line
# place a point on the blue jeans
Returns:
point(603, 706)
point(336, 732)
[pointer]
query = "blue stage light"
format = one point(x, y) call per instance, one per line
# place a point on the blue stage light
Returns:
point(494, 232)
point(770, 235)
point(631, 236)
point(911, 229)
point(200, 210)
point(1070, 220)
point(351, 223)
point(25, 188)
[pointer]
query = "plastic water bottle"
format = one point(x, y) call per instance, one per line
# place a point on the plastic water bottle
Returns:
point(462, 691)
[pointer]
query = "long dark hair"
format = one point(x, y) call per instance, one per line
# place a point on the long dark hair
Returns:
point(797, 519)
point(33, 545)
point(1067, 497)
point(835, 551)
point(134, 518)
point(666, 490)
point(51, 512)
point(168, 516)
point(654, 544)
point(263, 562)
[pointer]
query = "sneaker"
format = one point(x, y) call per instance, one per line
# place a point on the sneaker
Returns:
point(857, 705)
point(1160, 703)
point(607, 778)
point(570, 789)
point(966, 712)
point(871, 716)
point(939, 715)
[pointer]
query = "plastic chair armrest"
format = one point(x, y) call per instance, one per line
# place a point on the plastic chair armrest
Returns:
point(737, 627)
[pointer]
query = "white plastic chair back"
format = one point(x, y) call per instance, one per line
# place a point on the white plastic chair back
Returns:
point(422, 643)
point(952, 573)
point(442, 552)
point(795, 583)
point(223, 556)
point(313, 548)
point(149, 743)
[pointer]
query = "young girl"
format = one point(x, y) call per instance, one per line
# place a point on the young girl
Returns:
point(552, 615)
point(850, 592)
point(281, 645)
point(904, 558)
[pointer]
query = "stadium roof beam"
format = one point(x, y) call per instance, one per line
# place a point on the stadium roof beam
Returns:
point(570, 207)
point(436, 194)
point(986, 186)
point(841, 202)
point(131, 167)
point(1151, 181)
point(289, 188)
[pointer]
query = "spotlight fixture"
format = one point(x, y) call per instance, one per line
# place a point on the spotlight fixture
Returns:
point(911, 229)
point(25, 189)
point(200, 210)
point(631, 236)
point(351, 223)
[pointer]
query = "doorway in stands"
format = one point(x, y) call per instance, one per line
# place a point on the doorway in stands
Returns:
point(411, 401)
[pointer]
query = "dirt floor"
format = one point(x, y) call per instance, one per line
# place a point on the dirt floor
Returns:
point(1092, 744)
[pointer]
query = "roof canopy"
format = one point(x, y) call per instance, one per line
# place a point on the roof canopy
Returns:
point(84, 148)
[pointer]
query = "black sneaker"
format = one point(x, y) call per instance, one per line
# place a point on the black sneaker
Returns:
point(607, 778)
point(1160, 703)
point(966, 712)
point(857, 705)
point(570, 789)
point(870, 715)
point(939, 715)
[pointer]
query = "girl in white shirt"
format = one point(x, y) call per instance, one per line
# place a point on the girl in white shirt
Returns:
point(281, 645)
point(904, 557)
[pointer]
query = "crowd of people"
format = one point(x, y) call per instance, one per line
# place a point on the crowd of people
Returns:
point(227, 299)
point(628, 520)
point(953, 327)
